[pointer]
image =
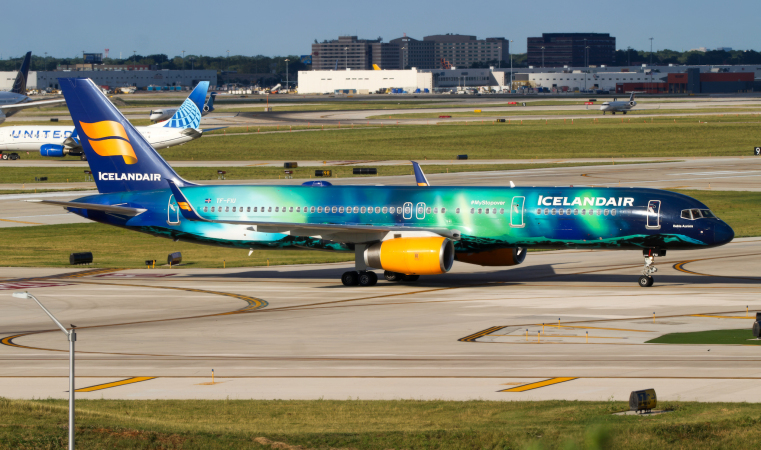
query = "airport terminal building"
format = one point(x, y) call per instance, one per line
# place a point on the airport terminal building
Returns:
point(114, 78)
point(375, 81)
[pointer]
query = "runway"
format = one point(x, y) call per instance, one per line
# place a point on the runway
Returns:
point(475, 333)
point(717, 173)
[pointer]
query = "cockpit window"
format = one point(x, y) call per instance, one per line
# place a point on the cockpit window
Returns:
point(694, 214)
point(707, 213)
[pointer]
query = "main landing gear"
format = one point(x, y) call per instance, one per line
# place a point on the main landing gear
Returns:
point(359, 278)
point(646, 280)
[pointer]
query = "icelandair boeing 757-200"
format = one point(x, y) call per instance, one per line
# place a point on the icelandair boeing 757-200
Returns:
point(407, 231)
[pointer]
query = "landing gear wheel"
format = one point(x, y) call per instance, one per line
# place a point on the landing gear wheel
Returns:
point(83, 157)
point(368, 278)
point(624, 112)
point(645, 281)
point(410, 277)
point(350, 278)
point(613, 112)
point(392, 276)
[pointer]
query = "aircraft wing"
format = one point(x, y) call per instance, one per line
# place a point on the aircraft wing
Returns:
point(340, 232)
point(32, 104)
point(122, 210)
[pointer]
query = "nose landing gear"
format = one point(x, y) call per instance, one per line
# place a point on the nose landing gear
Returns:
point(646, 280)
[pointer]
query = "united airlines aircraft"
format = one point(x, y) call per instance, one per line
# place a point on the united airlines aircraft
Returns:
point(407, 231)
point(59, 141)
point(16, 99)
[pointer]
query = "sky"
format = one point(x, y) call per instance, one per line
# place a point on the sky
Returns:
point(289, 28)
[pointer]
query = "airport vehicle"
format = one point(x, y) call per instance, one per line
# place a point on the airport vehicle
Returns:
point(59, 141)
point(16, 99)
point(12, 156)
point(616, 106)
point(160, 115)
point(407, 231)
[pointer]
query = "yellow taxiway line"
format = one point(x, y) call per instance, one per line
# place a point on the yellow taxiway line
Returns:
point(528, 387)
point(99, 387)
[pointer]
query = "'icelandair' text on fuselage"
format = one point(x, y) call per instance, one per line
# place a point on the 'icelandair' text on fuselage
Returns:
point(110, 176)
point(585, 201)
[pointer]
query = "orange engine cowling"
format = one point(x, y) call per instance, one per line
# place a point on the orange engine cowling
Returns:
point(498, 257)
point(412, 256)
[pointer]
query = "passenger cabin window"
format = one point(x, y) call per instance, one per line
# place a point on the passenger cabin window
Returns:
point(356, 209)
point(457, 211)
point(443, 210)
point(319, 209)
point(227, 209)
point(385, 210)
point(377, 210)
point(290, 209)
point(554, 210)
point(334, 209)
point(399, 210)
point(248, 209)
point(341, 209)
point(205, 208)
point(212, 209)
point(311, 209)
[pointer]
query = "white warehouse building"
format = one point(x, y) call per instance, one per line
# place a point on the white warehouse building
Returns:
point(372, 81)
point(582, 81)
point(114, 78)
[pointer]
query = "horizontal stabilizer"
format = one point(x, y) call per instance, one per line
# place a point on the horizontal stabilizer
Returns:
point(123, 210)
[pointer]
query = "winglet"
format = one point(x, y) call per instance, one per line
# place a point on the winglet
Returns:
point(186, 208)
point(512, 185)
point(420, 178)
point(376, 67)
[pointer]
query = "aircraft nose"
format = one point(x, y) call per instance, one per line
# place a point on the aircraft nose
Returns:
point(723, 233)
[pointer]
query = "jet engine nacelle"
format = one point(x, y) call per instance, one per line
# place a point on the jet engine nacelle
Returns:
point(498, 257)
point(632, 104)
point(412, 256)
point(52, 150)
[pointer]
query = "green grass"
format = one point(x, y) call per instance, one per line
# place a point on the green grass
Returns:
point(76, 174)
point(118, 247)
point(594, 110)
point(585, 138)
point(36, 191)
point(713, 337)
point(532, 139)
point(740, 209)
point(225, 424)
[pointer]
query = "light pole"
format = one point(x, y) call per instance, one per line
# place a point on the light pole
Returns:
point(586, 56)
point(511, 66)
point(651, 51)
point(72, 336)
point(346, 63)
point(542, 56)
point(286, 74)
point(585, 53)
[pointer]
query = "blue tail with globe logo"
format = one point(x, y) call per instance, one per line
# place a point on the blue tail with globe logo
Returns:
point(189, 114)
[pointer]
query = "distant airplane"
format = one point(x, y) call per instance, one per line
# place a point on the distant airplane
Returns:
point(616, 106)
point(159, 115)
point(60, 141)
point(16, 100)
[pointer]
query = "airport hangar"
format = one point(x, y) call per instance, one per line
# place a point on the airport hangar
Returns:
point(649, 79)
point(372, 81)
point(115, 78)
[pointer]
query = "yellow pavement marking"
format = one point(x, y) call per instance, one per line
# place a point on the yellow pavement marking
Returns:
point(559, 336)
point(528, 387)
point(596, 328)
point(98, 387)
point(19, 221)
point(723, 317)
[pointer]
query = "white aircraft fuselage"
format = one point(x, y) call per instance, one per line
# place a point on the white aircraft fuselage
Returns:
point(616, 106)
point(33, 137)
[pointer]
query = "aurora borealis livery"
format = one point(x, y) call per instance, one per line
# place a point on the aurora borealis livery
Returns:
point(405, 230)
